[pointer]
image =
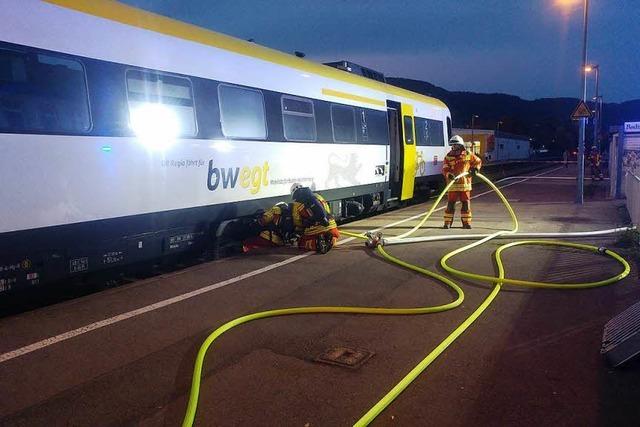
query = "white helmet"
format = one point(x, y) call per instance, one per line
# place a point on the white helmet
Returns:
point(456, 140)
point(295, 187)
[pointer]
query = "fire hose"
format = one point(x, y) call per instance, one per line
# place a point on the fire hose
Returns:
point(378, 242)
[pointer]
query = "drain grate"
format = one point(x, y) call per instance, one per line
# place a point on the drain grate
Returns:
point(344, 356)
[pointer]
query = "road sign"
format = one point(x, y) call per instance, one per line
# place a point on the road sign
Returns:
point(581, 112)
point(631, 127)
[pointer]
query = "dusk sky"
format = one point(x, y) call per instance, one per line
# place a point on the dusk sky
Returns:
point(528, 48)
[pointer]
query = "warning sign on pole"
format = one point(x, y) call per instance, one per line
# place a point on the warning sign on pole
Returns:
point(582, 111)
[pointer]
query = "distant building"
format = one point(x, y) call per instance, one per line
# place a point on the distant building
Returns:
point(497, 148)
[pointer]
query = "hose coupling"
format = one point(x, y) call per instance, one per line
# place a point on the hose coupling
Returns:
point(373, 239)
point(602, 250)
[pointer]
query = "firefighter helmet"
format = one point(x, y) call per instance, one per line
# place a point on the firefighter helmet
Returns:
point(456, 140)
point(295, 187)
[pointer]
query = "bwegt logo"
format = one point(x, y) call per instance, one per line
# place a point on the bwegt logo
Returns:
point(251, 178)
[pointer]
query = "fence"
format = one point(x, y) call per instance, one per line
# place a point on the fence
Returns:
point(632, 190)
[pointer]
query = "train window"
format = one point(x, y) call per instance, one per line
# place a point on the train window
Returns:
point(429, 132)
point(373, 127)
point(298, 119)
point(408, 130)
point(42, 93)
point(344, 123)
point(242, 112)
point(157, 97)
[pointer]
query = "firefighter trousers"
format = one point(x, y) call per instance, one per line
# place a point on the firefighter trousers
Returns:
point(452, 198)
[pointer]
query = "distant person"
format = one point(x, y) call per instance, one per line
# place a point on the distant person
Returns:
point(565, 158)
point(457, 161)
point(595, 159)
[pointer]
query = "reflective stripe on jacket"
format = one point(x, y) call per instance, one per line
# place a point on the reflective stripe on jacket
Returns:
point(301, 215)
point(459, 164)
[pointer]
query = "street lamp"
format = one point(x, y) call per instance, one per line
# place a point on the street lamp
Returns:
point(597, 98)
point(496, 140)
point(473, 121)
point(583, 74)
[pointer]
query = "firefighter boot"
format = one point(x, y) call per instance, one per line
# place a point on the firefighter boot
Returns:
point(322, 247)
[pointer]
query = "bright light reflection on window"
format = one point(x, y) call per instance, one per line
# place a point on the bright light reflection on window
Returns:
point(155, 125)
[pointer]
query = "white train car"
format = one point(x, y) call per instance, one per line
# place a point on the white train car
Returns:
point(127, 136)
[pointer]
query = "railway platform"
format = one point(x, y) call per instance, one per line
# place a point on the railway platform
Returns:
point(125, 356)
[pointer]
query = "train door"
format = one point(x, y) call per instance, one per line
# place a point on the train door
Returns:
point(402, 150)
point(395, 149)
point(409, 152)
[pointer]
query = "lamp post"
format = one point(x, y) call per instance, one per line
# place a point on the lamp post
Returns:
point(596, 98)
point(496, 140)
point(473, 121)
point(583, 121)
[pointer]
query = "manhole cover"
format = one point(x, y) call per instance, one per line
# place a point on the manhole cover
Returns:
point(344, 356)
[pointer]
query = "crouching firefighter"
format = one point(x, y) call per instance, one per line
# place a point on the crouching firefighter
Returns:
point(271, 228)
point(312, 220)
point(457, 161)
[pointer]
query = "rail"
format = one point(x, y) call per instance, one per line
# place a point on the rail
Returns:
point(632, 191)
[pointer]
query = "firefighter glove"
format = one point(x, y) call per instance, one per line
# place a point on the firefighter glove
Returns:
point(450, 176)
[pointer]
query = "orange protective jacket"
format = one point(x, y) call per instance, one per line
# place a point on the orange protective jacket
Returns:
point(457, 164)
point(271, 216)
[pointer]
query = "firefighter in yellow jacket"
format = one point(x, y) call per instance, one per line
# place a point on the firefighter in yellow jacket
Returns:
point(312, 220)
point(274, 227)
point(457, 161)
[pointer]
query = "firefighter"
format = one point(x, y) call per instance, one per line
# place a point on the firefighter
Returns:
point(595, 159)
point(271, 228)
point(457, 161)
point(312, 220)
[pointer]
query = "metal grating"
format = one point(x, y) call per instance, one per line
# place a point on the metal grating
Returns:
point(346, 357)
point(621, 337)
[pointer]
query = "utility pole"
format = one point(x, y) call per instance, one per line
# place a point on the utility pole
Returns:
point(473, 120)
point(583, 121)
point(596, 117)
point(496, 140)
point(596, 104)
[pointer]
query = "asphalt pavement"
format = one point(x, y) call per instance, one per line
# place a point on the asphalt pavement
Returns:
point(125, 356)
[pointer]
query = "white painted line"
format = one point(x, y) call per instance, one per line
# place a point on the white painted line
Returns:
point(137, 312)
point(124, 316)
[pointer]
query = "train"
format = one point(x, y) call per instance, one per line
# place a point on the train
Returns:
point(128, 136)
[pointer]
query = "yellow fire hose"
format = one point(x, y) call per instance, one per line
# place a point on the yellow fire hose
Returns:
point(415, 372)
